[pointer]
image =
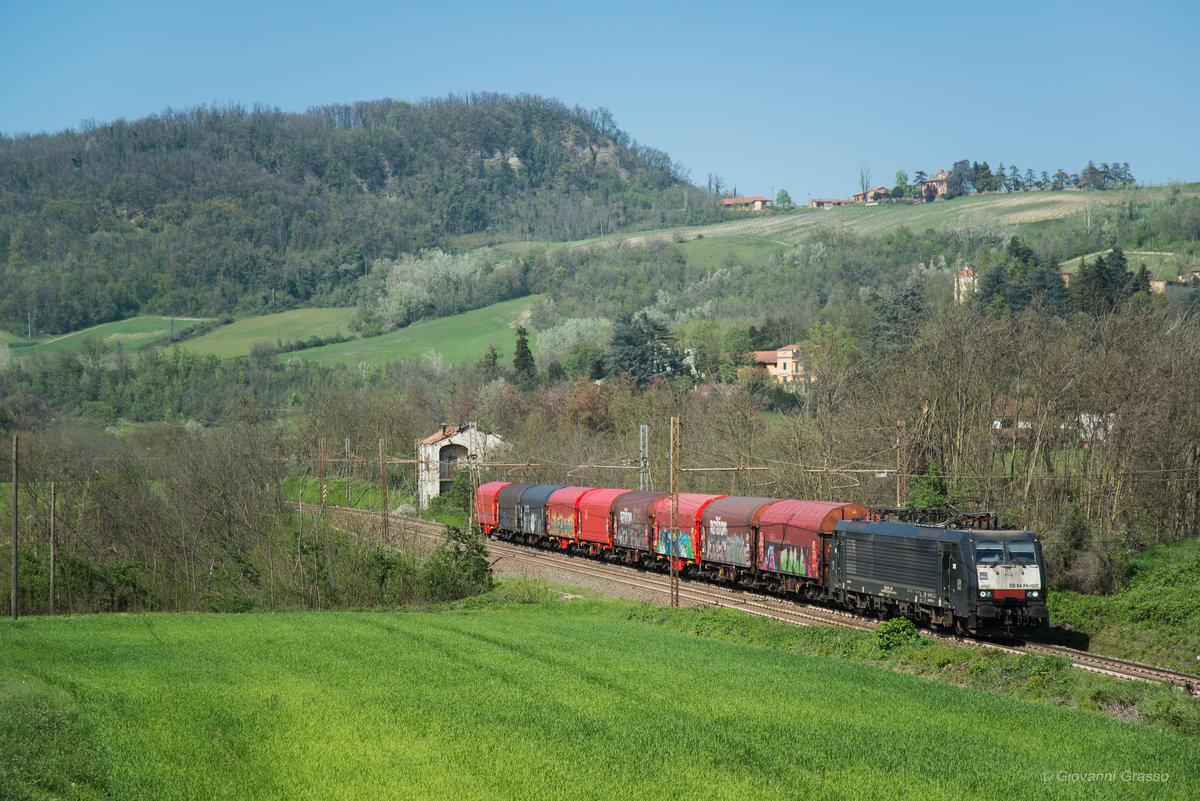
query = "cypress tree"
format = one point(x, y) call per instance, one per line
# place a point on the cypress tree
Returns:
point(523, 363)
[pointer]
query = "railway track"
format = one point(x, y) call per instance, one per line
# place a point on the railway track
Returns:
point(797, 613)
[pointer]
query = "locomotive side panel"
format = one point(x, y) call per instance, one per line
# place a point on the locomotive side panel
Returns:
point(892, 567)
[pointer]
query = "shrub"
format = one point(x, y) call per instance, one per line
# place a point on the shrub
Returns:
point(458, 568)
point(895, 632)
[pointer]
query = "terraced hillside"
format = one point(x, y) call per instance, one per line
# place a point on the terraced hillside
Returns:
point(968, 213)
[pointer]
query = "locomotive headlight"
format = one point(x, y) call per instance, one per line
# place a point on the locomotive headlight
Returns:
point(985, 593)
point(1033, 593)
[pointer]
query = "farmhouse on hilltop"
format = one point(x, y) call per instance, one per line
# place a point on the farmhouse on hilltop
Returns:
point(872, 195)
point(933, 188)
point(758, 204)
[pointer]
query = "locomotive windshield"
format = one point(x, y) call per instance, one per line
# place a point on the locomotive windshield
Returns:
point(1022, 552)
point(993, 552)
point(989, 552)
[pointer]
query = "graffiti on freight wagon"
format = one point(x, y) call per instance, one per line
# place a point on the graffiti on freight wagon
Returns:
point(782, 559)
point(562, 527)
point(629, 534)
point(722, 545)
point(675, 543)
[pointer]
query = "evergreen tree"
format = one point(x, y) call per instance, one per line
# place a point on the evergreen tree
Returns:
point(642, 348)
point(1118, 280)
point(1141, 282)
point(1048, 288)
point(523, 363)
point(898, 312)
point(993, 284)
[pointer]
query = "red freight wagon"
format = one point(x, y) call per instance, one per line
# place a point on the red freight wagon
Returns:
point(789, 534)
point(595, 515)
point(727, 529)
point(485, 504)
point(633, 521)
point(691, 506)
point(563, 509)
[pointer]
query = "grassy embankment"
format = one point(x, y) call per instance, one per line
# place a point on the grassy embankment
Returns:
point(361, 494)
point(1154, 618)
point(543, 699)
point(460, 340)
point(133, 334)
point(237, 338)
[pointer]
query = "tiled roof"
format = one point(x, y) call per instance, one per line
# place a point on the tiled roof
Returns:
point(446, 432)
point(730, 201)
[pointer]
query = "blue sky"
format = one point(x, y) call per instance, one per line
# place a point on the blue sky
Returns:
point(767, 95)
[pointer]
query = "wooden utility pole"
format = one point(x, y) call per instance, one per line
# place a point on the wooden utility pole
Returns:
point(673, 540)
point(53, 543)
point(383, 495)
point(14, 529)
point(901, 465)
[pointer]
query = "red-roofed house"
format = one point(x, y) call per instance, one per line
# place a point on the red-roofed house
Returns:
point(747, 203)
point(871, 195)
point(783, 365)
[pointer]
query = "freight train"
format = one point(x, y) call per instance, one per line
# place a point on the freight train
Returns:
point(969, 579)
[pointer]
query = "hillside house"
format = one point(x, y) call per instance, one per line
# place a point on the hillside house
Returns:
point(784, 365)
point(440, 455)
point(756, 204)
point(828, 202)
point(872, 195)
point(937, 186)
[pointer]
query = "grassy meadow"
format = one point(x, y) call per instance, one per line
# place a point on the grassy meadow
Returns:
point(133, 334)
point(535, 698)
point(460, 339)
point(237, 338)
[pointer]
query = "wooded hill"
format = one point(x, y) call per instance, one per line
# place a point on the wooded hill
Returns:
point(214, 211)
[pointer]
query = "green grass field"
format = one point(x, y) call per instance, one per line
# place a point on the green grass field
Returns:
point(461, 339)
point(554, 700)
point(135, 333)
point(712, 253)
point(237, 338)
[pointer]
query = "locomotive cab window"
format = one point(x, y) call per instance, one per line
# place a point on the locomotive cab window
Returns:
point(989, 552)
point(1022, 553)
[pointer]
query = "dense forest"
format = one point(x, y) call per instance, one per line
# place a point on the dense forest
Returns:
point(214, 211)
